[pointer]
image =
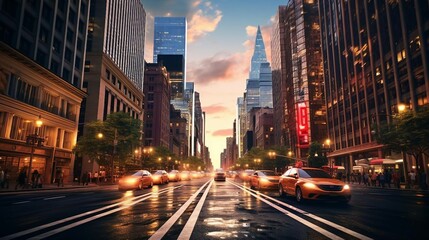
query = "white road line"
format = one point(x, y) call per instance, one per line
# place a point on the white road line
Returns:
point(21, 202)
point(35, 229)
point(190, 224)
point(293, 216)
point(322, 220)
point(167, 225)
point(75, 224)
point(54, 198)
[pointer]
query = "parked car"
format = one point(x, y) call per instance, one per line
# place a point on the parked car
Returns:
point(264, 179)
point(220, 176)
point(245, 175)
point(185, 175)
point(135, 180)
point(174, 176)
point(313, 183)
point(160, 177)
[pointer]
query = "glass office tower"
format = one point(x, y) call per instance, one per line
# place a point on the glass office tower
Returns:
point(169, 36)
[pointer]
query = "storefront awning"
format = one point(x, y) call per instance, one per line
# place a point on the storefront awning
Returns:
point(381, 161)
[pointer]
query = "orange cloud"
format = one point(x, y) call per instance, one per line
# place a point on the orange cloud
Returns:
point(213, 69)
point(202, 23)
point(213, 109)
point(222, 133)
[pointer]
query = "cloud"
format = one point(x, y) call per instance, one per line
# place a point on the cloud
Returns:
point(202, 23)
point(213, 69)
point(213, 109)
point(222, 133)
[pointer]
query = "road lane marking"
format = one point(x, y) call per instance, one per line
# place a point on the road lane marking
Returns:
point(322, 220)
point(167, 225)
point(54, 198)
point(190, 224)
point(21, 202)
point(35, 229)
point(293, 216)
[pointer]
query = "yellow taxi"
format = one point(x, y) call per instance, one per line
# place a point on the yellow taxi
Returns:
point(135, 180)
point(264, 179)
point(313, 183)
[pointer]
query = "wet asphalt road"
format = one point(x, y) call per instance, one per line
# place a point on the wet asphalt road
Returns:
point(204, 209)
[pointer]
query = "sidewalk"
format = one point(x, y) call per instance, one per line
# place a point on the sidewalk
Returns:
point(402, 187)
point(52, 186)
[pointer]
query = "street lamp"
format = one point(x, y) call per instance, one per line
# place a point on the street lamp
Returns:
point(257, 161)
point(32, 140)
point(115, 142)
point(146, 152)
point(273, 155)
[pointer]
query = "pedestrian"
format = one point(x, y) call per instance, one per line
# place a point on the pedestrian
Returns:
point(20, 181)
point(387, 177)
point(365, 179)
point(88, 177)
point(381, 179)
point(34, 178)
point(396, 179)
point(84, 176)
point(1, 177)
point(60, 178)
point(412, 176)
point(6, 179)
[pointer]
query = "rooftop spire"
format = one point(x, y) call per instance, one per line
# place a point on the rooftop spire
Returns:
point(259, 55)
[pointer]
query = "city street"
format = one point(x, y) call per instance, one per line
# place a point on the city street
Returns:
point(205, 209)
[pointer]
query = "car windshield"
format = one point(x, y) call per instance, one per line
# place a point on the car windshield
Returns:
point(134, 173)
point(313, 173)
point(157, 172)
point(268, 173)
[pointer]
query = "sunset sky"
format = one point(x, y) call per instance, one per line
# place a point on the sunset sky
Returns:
point(221, 35)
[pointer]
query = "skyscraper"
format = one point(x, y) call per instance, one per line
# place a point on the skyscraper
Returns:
point(259, 56)
point(375, 58)
point(114, 66)
point(42, 54)
point(265, 86)
point(259, 84)
point(281, 69)
point(169, 36)
point(299, 91)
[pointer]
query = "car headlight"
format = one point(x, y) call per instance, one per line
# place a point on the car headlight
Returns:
point(309, 185)
point(346, 187)
point(265, 180)
point(130, 181)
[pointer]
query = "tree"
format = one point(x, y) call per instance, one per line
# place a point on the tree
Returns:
point(409, 133)
point(316, 158)
point(112, 141)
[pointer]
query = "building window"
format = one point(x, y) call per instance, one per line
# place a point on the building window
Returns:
point(21, 128)
point(107, 74)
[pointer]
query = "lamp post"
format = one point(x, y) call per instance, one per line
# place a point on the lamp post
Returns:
point(401, 108)
point(257, 161)
point(146, 152)
point(34, 139)
point(115, 142)
point(273, 154)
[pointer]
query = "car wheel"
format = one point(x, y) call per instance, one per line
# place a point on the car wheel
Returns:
point(298, 194)
point(281, 192)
